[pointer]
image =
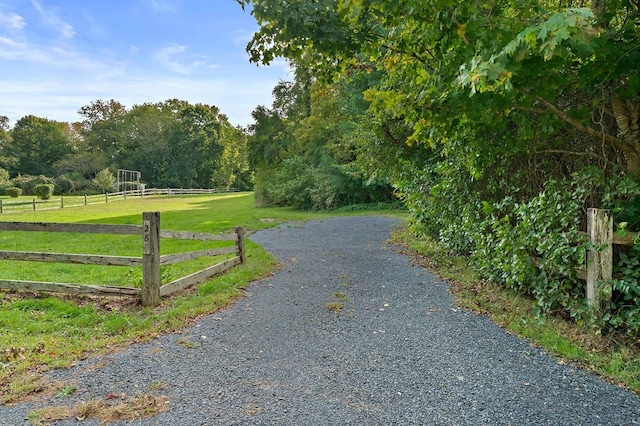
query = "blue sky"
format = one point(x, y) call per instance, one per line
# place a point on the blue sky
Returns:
point(59, 55)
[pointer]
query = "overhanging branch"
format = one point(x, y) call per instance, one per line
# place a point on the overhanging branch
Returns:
point(578, 125)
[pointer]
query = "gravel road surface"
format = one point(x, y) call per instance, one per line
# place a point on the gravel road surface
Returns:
point(347, 332)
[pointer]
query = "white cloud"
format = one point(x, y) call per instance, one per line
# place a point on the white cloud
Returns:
point(166, 57)
point(36, 5)
point(66, 29)
point(161, 6)
point(241, 37)
point(11, 43)
point(55, 57)
point(11, 21)
point(51, 98)
point(176, 58)
point(51, 20)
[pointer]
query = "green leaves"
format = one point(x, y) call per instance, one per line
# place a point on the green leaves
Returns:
point(563, 34)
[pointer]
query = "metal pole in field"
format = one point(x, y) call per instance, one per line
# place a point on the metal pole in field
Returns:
point(150, 293)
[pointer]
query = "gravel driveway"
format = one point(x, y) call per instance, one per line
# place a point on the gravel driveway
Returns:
point(347, 332)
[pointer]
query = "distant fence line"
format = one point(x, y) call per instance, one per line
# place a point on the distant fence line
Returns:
point(151, 260)
point(73, 201)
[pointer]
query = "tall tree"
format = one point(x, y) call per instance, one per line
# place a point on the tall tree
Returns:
point(101, 126)
point(38, 144)
point(7, 159)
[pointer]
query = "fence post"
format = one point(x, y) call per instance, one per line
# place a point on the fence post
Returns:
point(150, 259)
point(240, 243)
point(34, 204)
point(0, 206)
point(106, 197)
point(61, 202)
point(85, 199)
point(599, 258)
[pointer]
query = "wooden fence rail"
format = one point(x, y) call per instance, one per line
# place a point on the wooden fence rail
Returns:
point(74, 201)
point(151, 260)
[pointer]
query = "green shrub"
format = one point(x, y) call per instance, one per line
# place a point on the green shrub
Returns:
point(104, 180)
point(64, 185)
point(80, 183)
point(44, 191)
point(13, 192)
point(28, 183)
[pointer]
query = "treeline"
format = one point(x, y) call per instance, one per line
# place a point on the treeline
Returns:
point(497, 123)
point(172, 143)
point(299, 150)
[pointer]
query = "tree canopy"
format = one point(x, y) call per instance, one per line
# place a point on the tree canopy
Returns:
point(172, 143)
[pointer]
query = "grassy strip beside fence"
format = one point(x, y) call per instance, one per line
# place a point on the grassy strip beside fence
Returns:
point(151, 260)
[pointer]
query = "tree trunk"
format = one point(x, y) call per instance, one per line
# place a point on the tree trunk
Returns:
point(627, 115)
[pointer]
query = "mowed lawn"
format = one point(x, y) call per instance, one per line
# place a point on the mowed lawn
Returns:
point(40, 331)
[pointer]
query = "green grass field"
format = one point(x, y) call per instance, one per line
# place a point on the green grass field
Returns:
point(42, 331)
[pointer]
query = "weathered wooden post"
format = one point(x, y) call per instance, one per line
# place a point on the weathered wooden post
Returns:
point(240, 243)
point(61, 202)
point(106, 197)
point(0, 206)
point(150, 294)
point(599, 258)
point(85, 199)
point(34, 204)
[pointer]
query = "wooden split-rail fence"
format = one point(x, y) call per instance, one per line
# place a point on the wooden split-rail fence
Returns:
point(599, 267)
point(152, 289)
point(74, 201)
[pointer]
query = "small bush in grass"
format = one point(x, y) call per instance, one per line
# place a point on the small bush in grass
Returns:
point(44, 191)
point(13, 192)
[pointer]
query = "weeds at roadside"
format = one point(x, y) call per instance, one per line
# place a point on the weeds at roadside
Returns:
point(66, 392)
point(183, 341)
point(110, 409)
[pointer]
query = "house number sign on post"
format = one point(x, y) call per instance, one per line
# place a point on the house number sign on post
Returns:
point(146, 237)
